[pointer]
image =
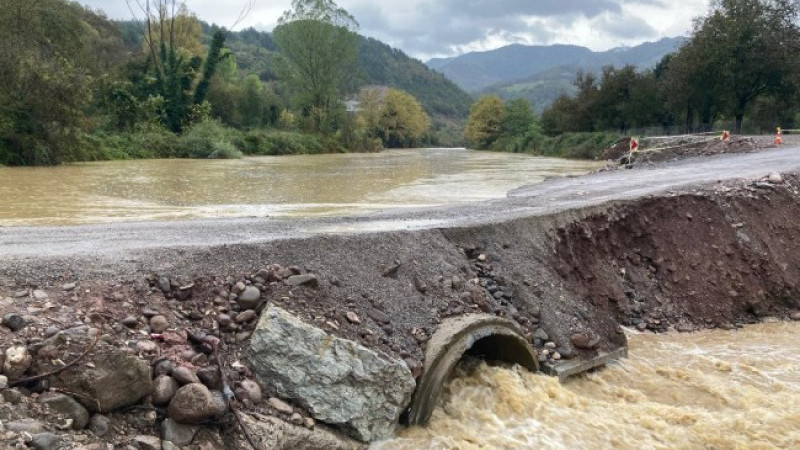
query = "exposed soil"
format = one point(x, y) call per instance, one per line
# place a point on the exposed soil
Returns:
point(663, 150)
point(715, 256)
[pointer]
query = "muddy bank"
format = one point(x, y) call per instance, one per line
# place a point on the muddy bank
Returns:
point(660, 150)
point(715, 256)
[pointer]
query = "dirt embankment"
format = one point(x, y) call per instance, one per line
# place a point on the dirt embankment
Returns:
point(655, 150)
point(717, 256)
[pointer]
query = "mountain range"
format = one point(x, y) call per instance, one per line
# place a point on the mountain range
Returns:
point(541, 73)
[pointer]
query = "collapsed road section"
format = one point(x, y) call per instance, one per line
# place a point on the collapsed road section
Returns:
point(329, 340)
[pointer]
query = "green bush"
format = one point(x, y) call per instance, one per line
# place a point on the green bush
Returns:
point(130, 145)
point(272, 143)
point(209, 139)
point(569, 145)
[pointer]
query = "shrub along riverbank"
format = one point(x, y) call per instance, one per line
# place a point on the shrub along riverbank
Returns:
point(204, 140)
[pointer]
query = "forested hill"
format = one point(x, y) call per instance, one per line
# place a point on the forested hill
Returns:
point(384, 65)
point(379, 64)
point(480, 70)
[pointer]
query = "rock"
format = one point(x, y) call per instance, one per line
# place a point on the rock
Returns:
point(224, 320)
point(245, 316)
point(541, 334)
point(308, 279)
point(149, 313)
point(164, 388)
point(339, 381)
point(775, 178)
point(280, 406)
point(40, 295)
point(210, 377)
point(107, 379)
point(146, 347)
point(251, 389)
point(25, 426)
point(130, 322)
point(457, 282)
point(276, 434)
point(159, 324)
point(420, 285)
point(296, 419)
point(69, 286)
point(13, 396)
point(353, 318)
point(184, 375)
point(220, 404)
point(17, 362)
point(67, 406)
point(414, 366)
point(584, 341)
point(566, 352)
point(391, 271)
point(143, 442)
point(249, 298)
point(164, 284)
point(3, 382)
point(14, 321)
point(100, 425)
point(795, 316)
point(378, 316)
point(46, 441)
point(192, 404)
point(163, 367)
point(178, 433)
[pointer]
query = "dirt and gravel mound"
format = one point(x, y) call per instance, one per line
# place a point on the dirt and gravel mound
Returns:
point(657, 150)
point(174, 340)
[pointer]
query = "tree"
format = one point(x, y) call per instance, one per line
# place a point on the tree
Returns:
point(47, 72)
point(485, 122)
point(182, 71)
point(742, 50)
point(318, 45)
point(517, 127)
point(402, 122)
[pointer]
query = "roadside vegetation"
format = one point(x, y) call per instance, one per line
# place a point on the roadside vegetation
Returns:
point(79, 87)
point(739, 68)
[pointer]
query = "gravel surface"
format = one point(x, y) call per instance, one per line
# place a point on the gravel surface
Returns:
point(105, 246)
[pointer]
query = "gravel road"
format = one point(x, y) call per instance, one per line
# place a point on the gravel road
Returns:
point(112, 242)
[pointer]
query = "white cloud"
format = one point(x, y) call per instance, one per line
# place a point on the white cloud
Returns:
point(425, 28)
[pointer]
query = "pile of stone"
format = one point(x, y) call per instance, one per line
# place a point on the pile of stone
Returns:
point(151, 370)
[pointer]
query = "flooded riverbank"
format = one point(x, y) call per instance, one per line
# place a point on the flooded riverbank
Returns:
point(286, 186)
point(709, 390)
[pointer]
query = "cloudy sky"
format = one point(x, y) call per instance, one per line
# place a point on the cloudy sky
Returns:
point(427, 28)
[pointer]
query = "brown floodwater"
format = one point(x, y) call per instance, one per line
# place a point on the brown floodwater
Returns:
point(340, 184)
point(711, 390)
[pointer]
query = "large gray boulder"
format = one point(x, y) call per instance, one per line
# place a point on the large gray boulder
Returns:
point(108, 378)
point(339, 381)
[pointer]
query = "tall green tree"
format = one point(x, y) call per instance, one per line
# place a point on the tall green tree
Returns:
point(181, 69)
point(744, 49)
point(48, 69)
point(485, 122)
point(318, 46)
point(402, 122)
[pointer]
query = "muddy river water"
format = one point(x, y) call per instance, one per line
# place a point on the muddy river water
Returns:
point(710, 390)
point(340, 184)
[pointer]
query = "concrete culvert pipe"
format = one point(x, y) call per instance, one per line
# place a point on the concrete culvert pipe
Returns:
point(488, 337)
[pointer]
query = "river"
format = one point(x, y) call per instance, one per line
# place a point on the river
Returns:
point(709, 390)
point(285, 186)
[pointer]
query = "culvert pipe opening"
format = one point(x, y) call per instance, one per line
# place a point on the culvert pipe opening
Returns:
point(480, 335)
